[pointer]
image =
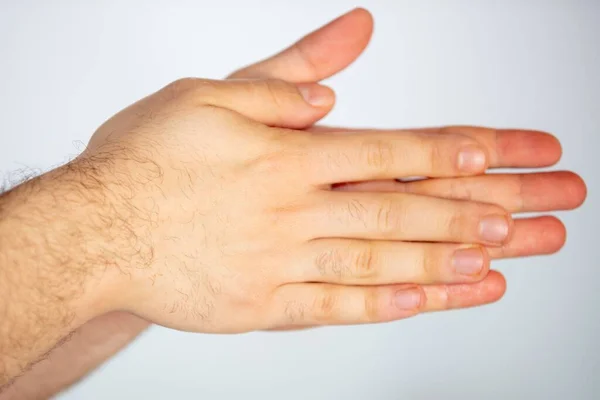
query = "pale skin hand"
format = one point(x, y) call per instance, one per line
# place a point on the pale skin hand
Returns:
point(195, 209)
point(526, 240)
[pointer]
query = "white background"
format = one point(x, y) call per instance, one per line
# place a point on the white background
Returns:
point(66, 66)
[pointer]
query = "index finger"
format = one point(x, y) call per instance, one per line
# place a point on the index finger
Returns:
point(507, 148)
point(329, 159)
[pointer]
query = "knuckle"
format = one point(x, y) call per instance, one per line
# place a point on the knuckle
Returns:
point(364, 263)
point(437, 153)
point(457, 223)
point(270, 87)
point(277, 90)
point(358, 262)
point(271, 156)
point(387, 217)
point(279, 86)
point(330, 262)
point(184, 87)
point(326, 306)
point(379, 154)
point(182, 84)
point(356, 211)
point(295, 312)
point(370, 306)
point(267, 164)
point(431, 263)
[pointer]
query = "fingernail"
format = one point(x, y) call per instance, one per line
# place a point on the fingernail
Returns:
point(471, 159)
point(468, 261)
point(316, 95)
point(408, 299)
point(494, 229)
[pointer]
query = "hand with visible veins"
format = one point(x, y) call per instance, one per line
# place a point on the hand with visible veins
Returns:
point(340, 238)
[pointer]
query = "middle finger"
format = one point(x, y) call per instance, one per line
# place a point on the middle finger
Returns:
point(403, 216)
point(545, 191)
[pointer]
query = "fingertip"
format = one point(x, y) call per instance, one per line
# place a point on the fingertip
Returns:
point(555, 234)
point(362, 14)
point(528, 148)
point(551, 191)
point(465, 295)
point(490, 290)
point(547, 145)
point(496, 286)
point(337, 44)
point(550, 238)
point(558, 145)
point(576, 188)
point(320, 54)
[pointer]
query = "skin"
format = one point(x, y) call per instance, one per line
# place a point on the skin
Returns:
point(328, 279)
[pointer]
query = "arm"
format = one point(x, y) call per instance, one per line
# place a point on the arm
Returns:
point(87, 348)
point(107, 334)
point(99, 339)
point(53, 269)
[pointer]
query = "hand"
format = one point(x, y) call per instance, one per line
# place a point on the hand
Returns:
point(331, 48)
point(174, 166)
point(321, 54)
point(107, 215)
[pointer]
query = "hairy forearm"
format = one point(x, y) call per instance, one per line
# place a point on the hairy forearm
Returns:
point(87, 348)
point(53, 264)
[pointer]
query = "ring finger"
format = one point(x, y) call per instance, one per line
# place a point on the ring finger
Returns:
point(369, 262)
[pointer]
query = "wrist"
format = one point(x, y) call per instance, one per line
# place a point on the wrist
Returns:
point(54, 239)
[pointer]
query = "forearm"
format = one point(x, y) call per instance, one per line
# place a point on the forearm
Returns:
point(88, 347)
point(53, 267)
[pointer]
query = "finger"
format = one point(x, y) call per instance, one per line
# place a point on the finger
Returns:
point(328, 304)
point(531, 237)
point(366, 262)
point(512, 148)
point(320, 54)
point(395, 216)
point(464, 295)
point(546, 191)
point(507, 148)
point(364, 156)
point(304, 304)
point(271, 102)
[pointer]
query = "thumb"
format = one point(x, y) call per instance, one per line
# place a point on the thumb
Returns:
point(269, 101)
point(318, 55)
